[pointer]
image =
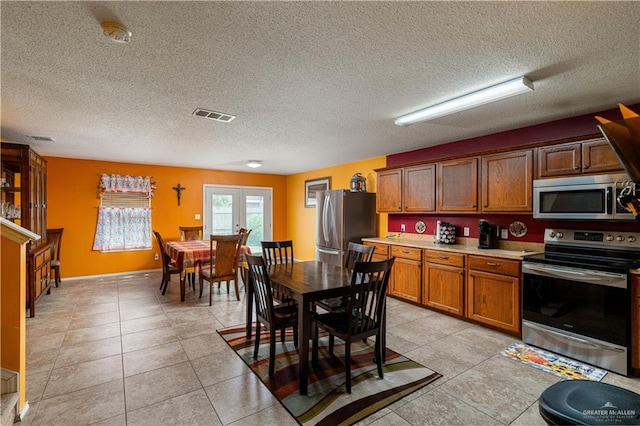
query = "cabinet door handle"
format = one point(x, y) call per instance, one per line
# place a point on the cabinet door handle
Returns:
point(492, 264)
point(576, 167)
point(585, 166)
point(443, 257)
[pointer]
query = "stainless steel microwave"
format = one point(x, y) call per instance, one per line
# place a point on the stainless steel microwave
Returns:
point(590, 197)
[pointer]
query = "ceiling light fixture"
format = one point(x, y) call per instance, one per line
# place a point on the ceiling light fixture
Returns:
point(116, 32)
point(254, 164)
point(471, 100)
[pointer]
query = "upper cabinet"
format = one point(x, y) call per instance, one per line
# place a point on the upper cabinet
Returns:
point(507, 180)
point(590, 156)
point(458, 186)
point(389, 197)
point(419, 189)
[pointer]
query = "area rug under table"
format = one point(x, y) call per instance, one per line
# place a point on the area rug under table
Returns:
point(552, 363)
point(327, 402)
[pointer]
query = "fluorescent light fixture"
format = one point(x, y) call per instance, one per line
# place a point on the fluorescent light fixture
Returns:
point(254, 164)
point(481, 97)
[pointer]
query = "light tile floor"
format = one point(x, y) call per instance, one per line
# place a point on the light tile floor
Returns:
point(114, 351)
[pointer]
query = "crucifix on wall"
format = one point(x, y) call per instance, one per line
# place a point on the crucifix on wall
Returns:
point(178, 190)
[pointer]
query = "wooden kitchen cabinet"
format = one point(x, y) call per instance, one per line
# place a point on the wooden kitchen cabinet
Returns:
point(25, 173)
point(590, 156)
point(380, 252)
point(419, 189)
point(443, 281)
point(493, 292)
point(406, 274)
point(507, 182)
point(458, 186)
point(389, 197)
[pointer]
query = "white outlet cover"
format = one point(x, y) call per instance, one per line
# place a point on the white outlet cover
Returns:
point(504, 234)
point(197, 216)
point(466, 231)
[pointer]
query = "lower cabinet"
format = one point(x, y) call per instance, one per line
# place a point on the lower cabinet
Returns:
point(39, 266)
point(406, 274)
point(443, 281)
point(493, 292)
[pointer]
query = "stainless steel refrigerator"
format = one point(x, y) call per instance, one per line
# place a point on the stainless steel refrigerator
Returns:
point(342, 217)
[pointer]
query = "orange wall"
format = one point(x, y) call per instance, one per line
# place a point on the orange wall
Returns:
point(301, 225)
point(72, 188)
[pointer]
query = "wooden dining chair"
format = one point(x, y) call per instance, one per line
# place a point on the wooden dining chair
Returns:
point(223, 263)
point(278, 253)
point(355, 253)
point(273, 317)
point(363, 317)
point(54, 236)
point(188, 233)
point(168, 266)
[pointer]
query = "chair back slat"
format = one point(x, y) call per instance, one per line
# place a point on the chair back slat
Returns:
point(54, 236)
point(166, 259)
point(369, 283)
point(227, 253)
point(259, 279)
point(357, 253)
point(188, 233)
point(245, 235)
point(277, 252)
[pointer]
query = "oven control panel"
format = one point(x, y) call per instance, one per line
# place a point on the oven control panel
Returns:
point(621, 240)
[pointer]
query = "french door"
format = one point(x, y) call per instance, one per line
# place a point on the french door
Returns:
point(229, 208)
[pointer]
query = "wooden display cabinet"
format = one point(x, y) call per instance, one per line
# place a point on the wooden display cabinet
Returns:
point(25, 173)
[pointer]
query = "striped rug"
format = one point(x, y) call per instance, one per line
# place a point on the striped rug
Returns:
point(327, 402)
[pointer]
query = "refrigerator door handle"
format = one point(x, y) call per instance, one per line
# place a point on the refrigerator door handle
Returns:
point(328, 251)
point(326, 209)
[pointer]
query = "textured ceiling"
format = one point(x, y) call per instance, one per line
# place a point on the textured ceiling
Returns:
point(313, 84)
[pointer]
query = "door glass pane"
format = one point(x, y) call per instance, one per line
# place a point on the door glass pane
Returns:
point(222, 214)
point(254, 214)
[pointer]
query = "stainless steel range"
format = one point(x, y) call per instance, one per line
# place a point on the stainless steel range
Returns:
point(576, 296)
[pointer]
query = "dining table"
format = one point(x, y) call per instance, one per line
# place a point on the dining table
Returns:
point(192, 254)
point(305, 282)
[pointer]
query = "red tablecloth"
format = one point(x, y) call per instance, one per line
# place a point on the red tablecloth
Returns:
point(188, 253)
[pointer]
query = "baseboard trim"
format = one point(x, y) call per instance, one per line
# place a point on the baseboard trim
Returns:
point(24, 410)
point(116, 274)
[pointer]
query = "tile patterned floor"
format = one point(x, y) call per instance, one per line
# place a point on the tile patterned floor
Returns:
point(114, 351)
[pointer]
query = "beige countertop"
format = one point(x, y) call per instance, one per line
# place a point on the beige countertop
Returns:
point(507, 249)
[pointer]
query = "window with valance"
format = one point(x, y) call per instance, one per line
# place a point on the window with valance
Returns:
point(124, 214)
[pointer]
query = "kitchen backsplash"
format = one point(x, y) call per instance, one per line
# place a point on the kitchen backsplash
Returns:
point(534, 228)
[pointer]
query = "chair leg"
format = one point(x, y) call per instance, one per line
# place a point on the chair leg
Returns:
point(295, 335)
point(282, 335)
point(314, 346)
point(331, 343)
point(165, 284)
point(201, 286)
point(272, 351)
point(347, 363)
point(378, 352)
point(210, 293)
point(255, 350)
point(237, 290)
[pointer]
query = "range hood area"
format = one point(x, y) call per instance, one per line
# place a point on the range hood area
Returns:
point(624, 138)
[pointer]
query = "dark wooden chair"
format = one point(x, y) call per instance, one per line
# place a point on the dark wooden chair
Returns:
point(223, 265)
point(168, 267)
point(355, 253)
point(54, 236)
point(273, 317)
point(275, 253)
point(363, 317)
point(188, 233)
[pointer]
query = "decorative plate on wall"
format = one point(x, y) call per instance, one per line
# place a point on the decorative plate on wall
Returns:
point(420, 227)
point(518, 229)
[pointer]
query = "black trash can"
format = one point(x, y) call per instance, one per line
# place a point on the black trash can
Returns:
point(585, 402)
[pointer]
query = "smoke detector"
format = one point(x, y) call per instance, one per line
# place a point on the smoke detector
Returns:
point(116, 32)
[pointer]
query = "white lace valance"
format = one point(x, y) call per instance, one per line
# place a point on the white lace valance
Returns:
point(125, 183)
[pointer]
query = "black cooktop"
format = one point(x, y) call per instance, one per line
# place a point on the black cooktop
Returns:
point(609, 260)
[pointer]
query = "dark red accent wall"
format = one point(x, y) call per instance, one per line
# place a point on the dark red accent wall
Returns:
point(555, 130)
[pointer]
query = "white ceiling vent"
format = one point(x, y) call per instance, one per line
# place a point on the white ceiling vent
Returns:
point(42, 138)
point(213, 115)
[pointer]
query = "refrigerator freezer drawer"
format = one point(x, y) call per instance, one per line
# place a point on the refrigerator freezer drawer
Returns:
point(331, 256)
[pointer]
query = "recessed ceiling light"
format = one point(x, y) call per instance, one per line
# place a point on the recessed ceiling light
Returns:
point(254, 164)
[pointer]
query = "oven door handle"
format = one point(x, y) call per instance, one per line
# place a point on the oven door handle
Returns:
point(601, 278)
point(566, 336)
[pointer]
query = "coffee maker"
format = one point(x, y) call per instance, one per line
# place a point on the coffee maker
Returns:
point(487, 235)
